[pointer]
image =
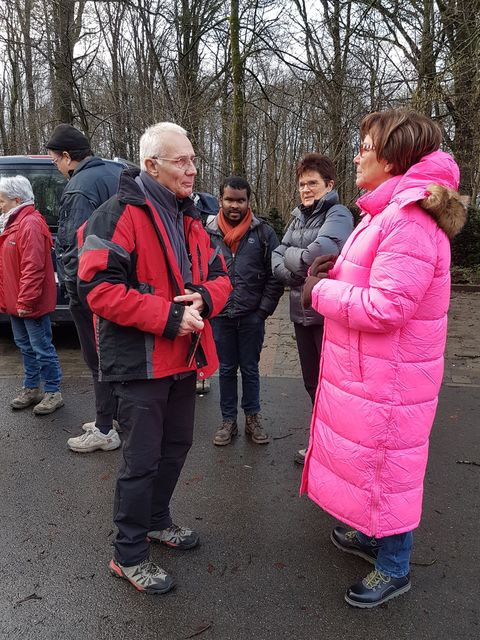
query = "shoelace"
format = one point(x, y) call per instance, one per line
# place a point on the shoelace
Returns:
point(374, 579)
point(352, 536)
point(150, 567)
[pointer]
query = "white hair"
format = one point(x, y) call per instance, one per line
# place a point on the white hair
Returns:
point(17, 187)
point(151, 142)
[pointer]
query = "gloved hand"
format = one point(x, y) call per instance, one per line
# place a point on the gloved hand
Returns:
point(322, 264)
point(308, 285)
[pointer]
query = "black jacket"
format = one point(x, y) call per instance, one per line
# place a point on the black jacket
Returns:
point(255, 289)
point(93, 182)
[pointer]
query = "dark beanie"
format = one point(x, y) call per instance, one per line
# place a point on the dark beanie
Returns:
point(67, 138)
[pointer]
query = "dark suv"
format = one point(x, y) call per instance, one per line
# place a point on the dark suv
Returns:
point(48, 184)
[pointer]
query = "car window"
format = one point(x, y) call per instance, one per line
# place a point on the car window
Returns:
point(47, 184)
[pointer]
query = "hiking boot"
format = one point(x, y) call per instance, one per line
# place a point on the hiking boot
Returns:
point(93, 439)
point(175, 537)
point(146, 576)
point(299, 457)
point(203, 387)
point(375, 589)
point(254, 429)
point(227, 431)
point(86, 426)
point(346, 540)
point(26, 397)
point(52, 400)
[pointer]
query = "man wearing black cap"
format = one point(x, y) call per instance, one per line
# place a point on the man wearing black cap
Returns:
point(91, 181)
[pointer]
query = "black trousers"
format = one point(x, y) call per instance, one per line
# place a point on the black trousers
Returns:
point(105, 403)
point(157, 422)
point(309, 345)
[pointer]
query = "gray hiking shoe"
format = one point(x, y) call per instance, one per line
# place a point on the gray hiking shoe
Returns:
point(227, 431)
point(175, 537)
point(254, 429)
point(147, 576)
point(26, 397)
point(52, 400)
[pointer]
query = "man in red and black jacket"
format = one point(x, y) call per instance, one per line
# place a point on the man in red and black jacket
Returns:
point(152, 281)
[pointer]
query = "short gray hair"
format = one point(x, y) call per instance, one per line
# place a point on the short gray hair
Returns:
point(151, 142)
point(17, 187)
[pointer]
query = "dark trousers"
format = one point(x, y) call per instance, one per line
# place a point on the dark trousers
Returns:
point(105, 403)
point(157, 421)
point(239, 344)
point(309, 345)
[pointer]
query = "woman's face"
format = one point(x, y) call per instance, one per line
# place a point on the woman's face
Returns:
point(371, 171)
point(6, 203)
point(312, 187)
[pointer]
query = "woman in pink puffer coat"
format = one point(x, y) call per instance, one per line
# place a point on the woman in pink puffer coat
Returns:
point(385, 303)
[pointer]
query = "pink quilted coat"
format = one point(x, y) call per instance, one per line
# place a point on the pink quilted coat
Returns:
point(385, 305)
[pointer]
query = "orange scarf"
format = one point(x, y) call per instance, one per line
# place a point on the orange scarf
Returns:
point(232, 235)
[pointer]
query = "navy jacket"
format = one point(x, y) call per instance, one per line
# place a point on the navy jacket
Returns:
point(255, 289)
point(92, 183)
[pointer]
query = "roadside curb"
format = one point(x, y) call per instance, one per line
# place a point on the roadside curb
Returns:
point(469, 288)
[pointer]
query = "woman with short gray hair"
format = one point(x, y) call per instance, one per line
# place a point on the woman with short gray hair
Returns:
point(28, 293)
point(15, 187)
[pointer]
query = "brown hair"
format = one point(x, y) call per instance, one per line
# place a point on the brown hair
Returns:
point(316, 162)
point(401, 136)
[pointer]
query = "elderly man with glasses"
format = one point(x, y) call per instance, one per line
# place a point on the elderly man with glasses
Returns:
point(150, 277)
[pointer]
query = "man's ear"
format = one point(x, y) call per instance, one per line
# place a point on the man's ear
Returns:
point(151, 166)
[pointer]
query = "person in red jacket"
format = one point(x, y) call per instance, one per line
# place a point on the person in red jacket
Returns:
point(152, 281)
point(28, 294)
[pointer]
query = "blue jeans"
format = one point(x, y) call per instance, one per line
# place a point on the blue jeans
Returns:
point(33, 336)
point(394, 553)
point(239, 343)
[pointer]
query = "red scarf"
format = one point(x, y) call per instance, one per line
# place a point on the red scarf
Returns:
point(232, 234)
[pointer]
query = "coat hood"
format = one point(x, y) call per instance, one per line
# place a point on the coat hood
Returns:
point(437, 168)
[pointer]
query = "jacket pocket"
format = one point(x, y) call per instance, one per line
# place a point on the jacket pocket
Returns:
point(355, 354)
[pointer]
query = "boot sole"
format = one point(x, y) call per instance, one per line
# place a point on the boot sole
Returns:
point(353, 552)
point(116, 572)
point(49, 411)
point(179, 547)
point(371, 605)
point(267, 441)
point(92, 449)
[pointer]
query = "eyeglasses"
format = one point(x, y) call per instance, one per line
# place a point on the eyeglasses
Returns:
point(56, 159)
point(365, 148)
point(181, 163)
point(311, 185)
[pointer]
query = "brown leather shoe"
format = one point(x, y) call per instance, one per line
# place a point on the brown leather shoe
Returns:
point(254, 429)
point(227, 431)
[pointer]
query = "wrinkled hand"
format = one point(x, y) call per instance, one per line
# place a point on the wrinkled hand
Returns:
point(193, 299)
point(191, 321)
point(308, 285)
point(322, 264)
point(22, 313)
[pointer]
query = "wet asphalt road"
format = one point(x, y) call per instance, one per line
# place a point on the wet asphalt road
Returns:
point(265, 569)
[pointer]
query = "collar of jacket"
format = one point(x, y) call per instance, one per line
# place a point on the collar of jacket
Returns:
point(24, 209)
point(90, 161)
point(328, 200)
point(130, 193)
point(212, 227)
